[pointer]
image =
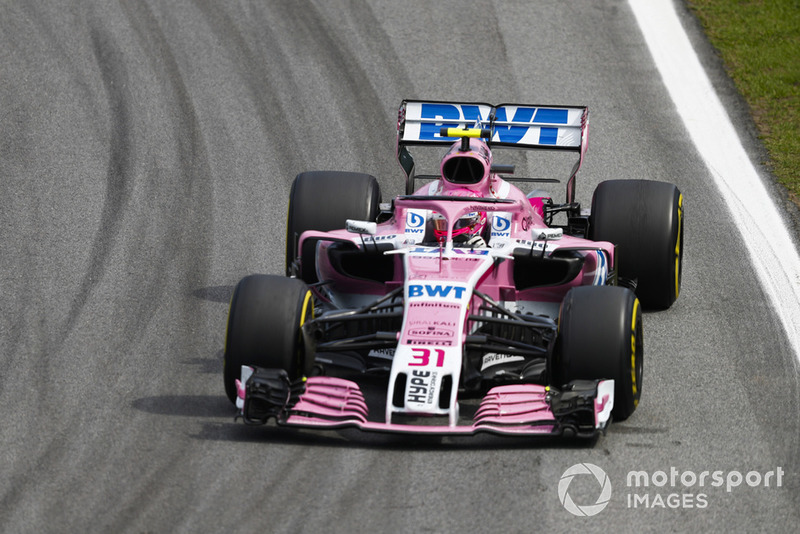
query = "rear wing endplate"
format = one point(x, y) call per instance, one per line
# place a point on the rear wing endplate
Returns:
point(510, 125)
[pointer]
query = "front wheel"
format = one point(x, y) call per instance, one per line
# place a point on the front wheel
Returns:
point(600, 337)
point(264, 321)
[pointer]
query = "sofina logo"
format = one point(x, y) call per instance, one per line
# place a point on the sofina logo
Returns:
point(580, 470)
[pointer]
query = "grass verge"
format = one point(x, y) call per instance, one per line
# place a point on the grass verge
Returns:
point(759, 41)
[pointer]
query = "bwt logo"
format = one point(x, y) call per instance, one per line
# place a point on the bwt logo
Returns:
point(501, 226)
point(414, 223)
point(505, 134)
point(436, 291)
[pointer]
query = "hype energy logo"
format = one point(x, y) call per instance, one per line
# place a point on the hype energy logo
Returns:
point(665, 489)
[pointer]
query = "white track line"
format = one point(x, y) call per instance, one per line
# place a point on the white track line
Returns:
point(763, 229)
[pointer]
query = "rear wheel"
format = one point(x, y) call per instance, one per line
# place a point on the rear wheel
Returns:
point(644, 219)
point(264, 321)
point(600, 337)
point(323, 201)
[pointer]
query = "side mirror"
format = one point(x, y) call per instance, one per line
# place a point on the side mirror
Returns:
point(360, 227)
point(501, 169)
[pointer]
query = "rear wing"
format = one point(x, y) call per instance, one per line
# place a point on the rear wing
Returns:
point(509, 125)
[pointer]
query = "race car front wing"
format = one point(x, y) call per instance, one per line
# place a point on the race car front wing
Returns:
point(581, 408)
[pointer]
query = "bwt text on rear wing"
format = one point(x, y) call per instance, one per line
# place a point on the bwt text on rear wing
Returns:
point(509, 125)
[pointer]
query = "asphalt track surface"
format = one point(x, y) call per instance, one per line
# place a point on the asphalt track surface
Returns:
point(146, 155)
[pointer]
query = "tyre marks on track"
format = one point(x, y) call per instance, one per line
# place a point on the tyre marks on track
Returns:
point(118, 179)
point(144, 257)
point(289, 59)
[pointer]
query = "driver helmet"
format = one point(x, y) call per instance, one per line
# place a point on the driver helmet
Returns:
point(468, 225)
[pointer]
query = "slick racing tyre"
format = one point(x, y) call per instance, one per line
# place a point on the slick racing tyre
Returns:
point(644, 219)
point(600, 337)
point(323, 201)
point(264, 321)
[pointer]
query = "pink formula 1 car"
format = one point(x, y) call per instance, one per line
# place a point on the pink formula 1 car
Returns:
point(460, 307)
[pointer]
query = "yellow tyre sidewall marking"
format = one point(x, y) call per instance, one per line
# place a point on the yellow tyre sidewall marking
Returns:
point(303, 314)
point(634, 386)
point(678, 247)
